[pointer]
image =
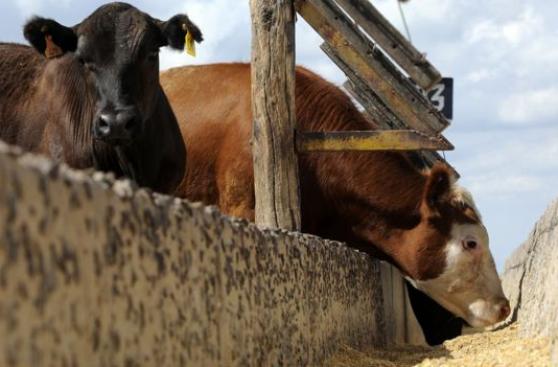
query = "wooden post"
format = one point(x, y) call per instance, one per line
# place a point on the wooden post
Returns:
point(273, 105)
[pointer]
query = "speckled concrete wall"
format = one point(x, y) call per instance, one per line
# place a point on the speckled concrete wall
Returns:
point(531, 277)
point(97, 273)
point(401, 326)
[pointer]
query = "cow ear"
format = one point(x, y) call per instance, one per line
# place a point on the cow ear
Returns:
point(49, 37)
point(438, 186)
point(175, 30)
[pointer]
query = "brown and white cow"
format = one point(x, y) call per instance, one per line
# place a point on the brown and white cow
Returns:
point(89, 95)
point(422, 222)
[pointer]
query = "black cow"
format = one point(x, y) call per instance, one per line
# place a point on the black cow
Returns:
point(91, 96)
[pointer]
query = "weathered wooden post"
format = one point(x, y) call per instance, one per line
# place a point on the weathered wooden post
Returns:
point(273, 104)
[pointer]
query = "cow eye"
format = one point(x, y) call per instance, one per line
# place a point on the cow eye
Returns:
point(469, 244)
point(88, 64)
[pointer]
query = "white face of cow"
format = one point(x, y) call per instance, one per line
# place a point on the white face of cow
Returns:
point(469, 286)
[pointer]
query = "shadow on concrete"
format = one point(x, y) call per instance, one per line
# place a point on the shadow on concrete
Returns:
point(437, 323)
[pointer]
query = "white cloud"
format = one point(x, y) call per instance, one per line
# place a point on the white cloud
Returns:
point(512, 32)
point(37, 6)
point(530, 106)
point(29, 6)
point(517, 151)
point(504, 185)
point(418, 13)
point(479, 75)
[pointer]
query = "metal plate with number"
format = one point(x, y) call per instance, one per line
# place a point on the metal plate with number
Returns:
point(441, 97)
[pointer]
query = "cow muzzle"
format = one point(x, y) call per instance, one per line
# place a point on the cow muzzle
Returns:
point(119, 127)
point(485, 313)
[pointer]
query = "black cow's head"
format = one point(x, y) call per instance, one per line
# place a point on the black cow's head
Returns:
point(118, 48)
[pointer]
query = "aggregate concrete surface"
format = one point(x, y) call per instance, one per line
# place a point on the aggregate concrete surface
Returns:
point(96, 272)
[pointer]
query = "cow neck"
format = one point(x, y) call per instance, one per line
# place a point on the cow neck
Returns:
point(379, 198)
point(382, 184)
point(382, 205)
point(374, 192)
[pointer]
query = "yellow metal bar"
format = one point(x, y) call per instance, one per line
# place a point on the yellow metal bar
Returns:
point(374, 140)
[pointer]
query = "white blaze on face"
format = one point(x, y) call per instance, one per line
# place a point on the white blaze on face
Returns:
point(469, 287)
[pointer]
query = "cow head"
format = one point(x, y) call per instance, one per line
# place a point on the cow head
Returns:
point(441, 246)
point(117, 47)
point(452, 262)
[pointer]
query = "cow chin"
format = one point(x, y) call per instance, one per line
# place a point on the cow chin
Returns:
point(482, 313)
point(118, 160)
point(128, 167)
point(477, 312)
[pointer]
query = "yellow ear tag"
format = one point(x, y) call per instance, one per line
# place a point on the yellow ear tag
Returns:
point(190, 45)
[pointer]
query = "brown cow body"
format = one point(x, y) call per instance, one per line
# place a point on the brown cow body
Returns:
point(376, 201)
point(218, 131)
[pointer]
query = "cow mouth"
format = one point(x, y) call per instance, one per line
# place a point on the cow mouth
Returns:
point(478, 319)
point(475, 321)
point(125, 161)
point(129, 168)
point(115, 142)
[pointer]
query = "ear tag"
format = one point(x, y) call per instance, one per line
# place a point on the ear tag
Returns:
point(52, 50)
point(190, 45)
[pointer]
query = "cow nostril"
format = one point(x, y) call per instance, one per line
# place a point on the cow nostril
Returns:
point(504, 310)
point(103, 122)
point(103, 126)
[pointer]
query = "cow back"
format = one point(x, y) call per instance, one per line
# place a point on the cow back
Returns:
point(20, 68)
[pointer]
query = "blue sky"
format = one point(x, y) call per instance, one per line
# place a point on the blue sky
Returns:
point(503, 55)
